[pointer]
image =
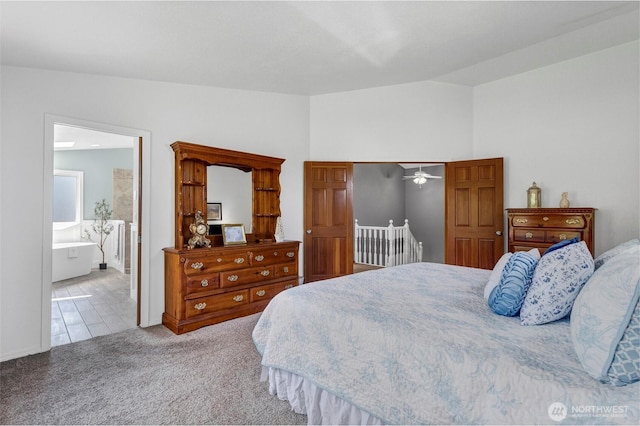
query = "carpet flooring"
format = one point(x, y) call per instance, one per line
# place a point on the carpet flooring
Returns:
point(145, 376)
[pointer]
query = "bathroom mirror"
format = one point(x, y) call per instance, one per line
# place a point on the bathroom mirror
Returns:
point(233, 189)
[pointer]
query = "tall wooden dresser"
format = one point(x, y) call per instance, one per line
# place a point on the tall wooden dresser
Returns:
point(206, 285)
point(542, 227)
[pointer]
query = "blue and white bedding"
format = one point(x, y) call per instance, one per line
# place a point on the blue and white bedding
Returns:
point(418, 344)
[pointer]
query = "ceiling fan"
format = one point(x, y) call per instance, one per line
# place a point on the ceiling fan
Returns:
point(420, 177)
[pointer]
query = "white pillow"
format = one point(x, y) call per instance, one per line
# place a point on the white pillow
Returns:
point(494, 278)
point(602, 319)
point(611, 253)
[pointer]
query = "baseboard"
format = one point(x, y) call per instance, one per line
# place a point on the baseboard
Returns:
point(26, 352)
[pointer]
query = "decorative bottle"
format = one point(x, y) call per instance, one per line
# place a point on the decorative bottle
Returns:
point(564, 201)
point(279, 235)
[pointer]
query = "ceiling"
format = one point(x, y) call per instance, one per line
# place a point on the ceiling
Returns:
point(88, 139)
point(309, 48)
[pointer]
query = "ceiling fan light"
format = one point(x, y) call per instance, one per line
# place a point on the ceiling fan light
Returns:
point(420, 180)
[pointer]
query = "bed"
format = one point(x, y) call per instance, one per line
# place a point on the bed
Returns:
point(418, 344)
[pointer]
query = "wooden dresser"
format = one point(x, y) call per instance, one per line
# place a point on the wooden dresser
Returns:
point(212, 280)
point(205, 286)
point(542, 227)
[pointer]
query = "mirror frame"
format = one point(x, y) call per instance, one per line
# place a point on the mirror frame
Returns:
point(191, 162)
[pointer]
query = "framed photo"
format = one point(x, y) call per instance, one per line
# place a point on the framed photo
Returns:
point(214, 211)
point(233, 234)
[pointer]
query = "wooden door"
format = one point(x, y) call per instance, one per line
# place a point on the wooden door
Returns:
point(474, 214)
point(328, 220)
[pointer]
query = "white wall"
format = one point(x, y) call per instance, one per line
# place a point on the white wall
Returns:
point(574, 127)
point(423, 121)
point(264, 123)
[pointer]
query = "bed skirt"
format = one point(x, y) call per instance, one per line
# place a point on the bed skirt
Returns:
point(320, 406)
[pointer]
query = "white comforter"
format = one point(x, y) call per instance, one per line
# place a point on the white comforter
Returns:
point(418, 344)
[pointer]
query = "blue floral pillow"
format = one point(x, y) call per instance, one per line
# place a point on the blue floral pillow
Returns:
point(507, 297)
point(605, 321)
point(558, 278)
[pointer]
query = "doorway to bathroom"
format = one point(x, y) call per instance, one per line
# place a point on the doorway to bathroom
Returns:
point(87, 300)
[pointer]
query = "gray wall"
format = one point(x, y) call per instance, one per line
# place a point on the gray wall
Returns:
point(425, 211)
point(380, 194)
point(97, 165)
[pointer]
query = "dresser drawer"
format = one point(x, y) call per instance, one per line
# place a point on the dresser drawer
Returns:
point(529, 235)
point(200, 283)
point(268, 291)
point(541, 236)
point(205, 305)
point(548, 221)
point(215, 262)
point(557, 236)
point(246, 276)
point(271, 256)
point(286, 269)
point(265, 257)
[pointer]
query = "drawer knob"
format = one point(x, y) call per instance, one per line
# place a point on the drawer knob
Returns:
point(204, 283)
point(197, 265)
point(238, 298)
point(545, 218)
point(232, 278)
point(520, 220)
point(275, 253)
point(260, 258)
point(562, 236)
point(219, 260)
point(285, 269)
point(239, 260)
point(200, 306)
point(265, 273)
point(290, 254)
point(261, 293)
point(528, 235)
point(288, 286)
point(572, 221)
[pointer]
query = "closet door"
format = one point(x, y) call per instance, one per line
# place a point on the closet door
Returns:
point(328, 220)
point(474, 213)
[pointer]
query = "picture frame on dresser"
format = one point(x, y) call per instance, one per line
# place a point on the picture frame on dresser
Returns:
point(214, 211)
point(233, 234)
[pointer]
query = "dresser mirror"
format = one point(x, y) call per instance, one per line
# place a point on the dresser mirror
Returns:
point(233, 188)
point(247, 186)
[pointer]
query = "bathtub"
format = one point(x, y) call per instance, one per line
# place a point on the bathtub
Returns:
point(71, 259)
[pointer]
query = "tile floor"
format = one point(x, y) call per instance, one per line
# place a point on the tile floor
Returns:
point(91, 305)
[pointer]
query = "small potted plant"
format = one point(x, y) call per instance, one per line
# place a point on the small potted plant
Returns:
point(101, 226)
